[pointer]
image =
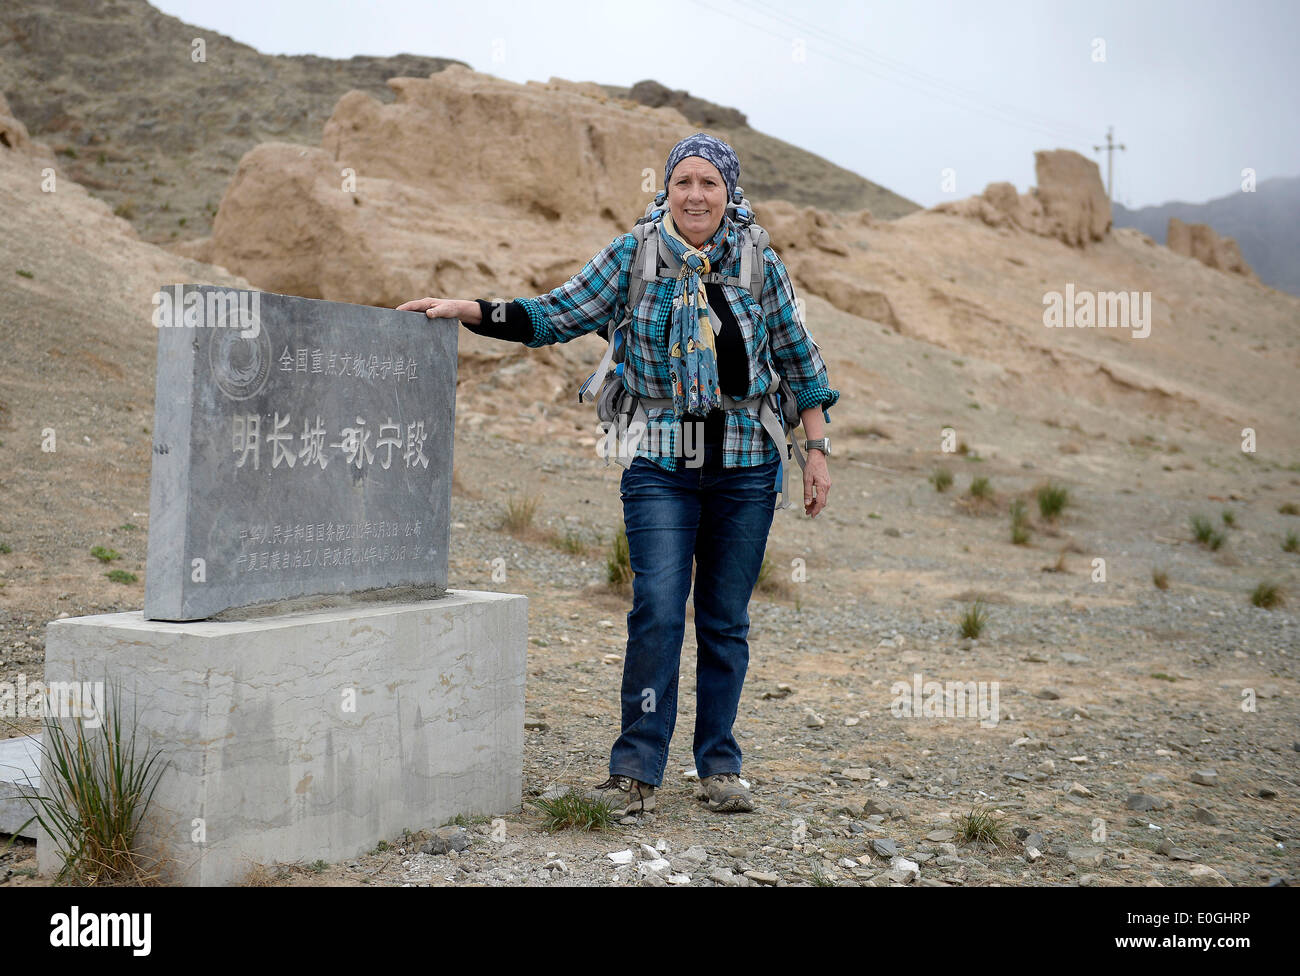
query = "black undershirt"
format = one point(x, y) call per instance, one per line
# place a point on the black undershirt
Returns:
point(733, 360)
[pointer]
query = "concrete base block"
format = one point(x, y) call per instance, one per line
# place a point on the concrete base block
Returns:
point(310, 735)
point(19, 770)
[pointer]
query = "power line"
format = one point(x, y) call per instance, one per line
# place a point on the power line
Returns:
point(891, 64)
point(1009, 116)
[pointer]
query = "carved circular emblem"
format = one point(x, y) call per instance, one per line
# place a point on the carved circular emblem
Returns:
point(240, 365)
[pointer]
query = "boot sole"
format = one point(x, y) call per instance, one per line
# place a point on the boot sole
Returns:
point(732, 804)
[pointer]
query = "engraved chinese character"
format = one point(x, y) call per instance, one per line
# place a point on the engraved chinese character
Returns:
point(278, 451)
point(246, 439)
point(316, 356)
point(286, 361)
point(313, 444)
point(355, 444)
point(415, 438)
point(392, 440)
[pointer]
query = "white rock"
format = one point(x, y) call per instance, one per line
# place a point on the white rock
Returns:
point(657, 866)
point(904, 866)
point(620, 857)
point(679, 879)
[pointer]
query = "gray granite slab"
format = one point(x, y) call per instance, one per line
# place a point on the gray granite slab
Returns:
point(300, 447)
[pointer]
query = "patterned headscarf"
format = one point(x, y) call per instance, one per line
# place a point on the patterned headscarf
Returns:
point(709, 148)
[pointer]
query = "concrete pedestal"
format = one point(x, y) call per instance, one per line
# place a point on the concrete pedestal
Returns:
point(310, 735)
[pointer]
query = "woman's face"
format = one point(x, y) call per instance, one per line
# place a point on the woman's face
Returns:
point(697, 199)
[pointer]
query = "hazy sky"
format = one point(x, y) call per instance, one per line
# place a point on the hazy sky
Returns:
point(898, 92)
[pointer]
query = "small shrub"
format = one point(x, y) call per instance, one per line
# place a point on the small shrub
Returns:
point(105, 555)
point(97, 796)
point(1229, 517)
point(819, 878)
point(971, 623)
point(1204, 532)
point(618, 564)
point(981, 824)
point(1291, 543)
point(571, 542)
point(125, 210)
point(1052, 499)
point(1266, 596)
point(121, 576)
point(1288, 508)
point(5, 548)
point(1160, 578)
point(519, 513)
point(980, 487)
point(573, 811)
point(941, 479)
point(23, 273)
point(1019, 523)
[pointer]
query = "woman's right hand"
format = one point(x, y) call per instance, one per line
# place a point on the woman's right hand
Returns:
point(444, 308)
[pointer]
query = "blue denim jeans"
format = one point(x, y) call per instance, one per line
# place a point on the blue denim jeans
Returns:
point(720, 517)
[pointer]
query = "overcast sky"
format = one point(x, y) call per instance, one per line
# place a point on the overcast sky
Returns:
point(898, 92)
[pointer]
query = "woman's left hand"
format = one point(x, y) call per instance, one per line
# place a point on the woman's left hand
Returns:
point(816, 483)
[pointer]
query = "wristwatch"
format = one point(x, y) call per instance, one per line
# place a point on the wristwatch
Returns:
point(822, 444)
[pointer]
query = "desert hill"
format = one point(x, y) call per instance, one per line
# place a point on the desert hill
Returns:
point(112, 87)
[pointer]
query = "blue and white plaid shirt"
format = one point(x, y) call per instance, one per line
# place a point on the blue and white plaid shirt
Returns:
point(598, 294)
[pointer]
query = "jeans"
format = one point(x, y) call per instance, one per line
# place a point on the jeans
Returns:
point(720, 517)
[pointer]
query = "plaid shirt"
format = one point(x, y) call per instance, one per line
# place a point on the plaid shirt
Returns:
point(598, 293)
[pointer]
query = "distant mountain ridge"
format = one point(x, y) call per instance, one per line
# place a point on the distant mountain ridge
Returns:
point(1265, 224)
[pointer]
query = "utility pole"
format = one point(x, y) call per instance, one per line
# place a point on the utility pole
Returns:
point(1110, 147)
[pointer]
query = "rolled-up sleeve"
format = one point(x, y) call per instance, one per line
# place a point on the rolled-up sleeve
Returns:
point(799, 360)
point(586, 301)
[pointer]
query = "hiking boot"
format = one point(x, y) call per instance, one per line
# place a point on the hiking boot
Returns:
point(623, 795)
point(725, 794)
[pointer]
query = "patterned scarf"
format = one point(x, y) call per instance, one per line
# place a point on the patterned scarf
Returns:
point(693, 359)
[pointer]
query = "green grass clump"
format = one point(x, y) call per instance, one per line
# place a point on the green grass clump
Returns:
point(5, 548)
point(1288, 508)
point(1019, 523)
point(105, 555)
point(24, 273)
point(1052, 499)
point(980, 487)
point(121, 576)
point(618, 565)
point(1291, 543)
point(1266, 595)
point(981, 824)
point(571, 543)
point(971, 623)
point(1229, 518)
point(94, 800)
point(819, 878)
point(941, 479)
point(573, 811)
point(1160, 578)
point(1204, 532)
point(519, 513)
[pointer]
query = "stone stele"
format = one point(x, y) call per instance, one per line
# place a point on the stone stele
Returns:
point(301, 447)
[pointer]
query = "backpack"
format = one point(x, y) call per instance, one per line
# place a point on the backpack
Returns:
point(619, 408)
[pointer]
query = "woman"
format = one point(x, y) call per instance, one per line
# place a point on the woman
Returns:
point(691, 342)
